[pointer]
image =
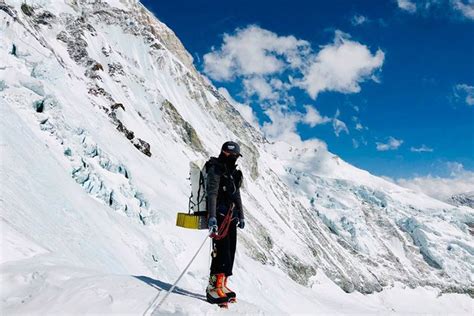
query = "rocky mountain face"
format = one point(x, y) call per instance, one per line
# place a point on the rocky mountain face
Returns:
point(462, 199)
point(115, 97)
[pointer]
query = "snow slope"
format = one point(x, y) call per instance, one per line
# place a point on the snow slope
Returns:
point(102, 110)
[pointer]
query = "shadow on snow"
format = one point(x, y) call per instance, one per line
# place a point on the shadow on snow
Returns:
point(160, 285)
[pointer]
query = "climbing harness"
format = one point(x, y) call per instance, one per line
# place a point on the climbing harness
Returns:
point(224, 227)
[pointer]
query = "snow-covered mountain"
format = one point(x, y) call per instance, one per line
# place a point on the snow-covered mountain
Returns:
point(101, 112)
point(466, 199)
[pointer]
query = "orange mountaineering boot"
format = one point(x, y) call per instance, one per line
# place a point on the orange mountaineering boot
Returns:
point(214, 292)
point(230, 294)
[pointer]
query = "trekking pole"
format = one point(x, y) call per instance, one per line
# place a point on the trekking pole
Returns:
point(175, 283)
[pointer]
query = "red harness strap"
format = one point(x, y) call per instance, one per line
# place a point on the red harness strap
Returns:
point(224, 227)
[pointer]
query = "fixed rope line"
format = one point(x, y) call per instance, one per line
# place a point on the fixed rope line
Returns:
point(175, 283)
point(220, 234)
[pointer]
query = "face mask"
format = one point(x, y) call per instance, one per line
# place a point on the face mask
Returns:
point(231, 160)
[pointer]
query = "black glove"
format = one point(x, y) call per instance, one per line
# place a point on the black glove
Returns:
point(241, 223)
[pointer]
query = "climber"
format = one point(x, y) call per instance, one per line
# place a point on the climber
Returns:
point(223, 198)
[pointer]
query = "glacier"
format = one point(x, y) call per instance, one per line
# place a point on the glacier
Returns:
point(102, 110)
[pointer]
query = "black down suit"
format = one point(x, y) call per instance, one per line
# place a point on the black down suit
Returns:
point(223, 195)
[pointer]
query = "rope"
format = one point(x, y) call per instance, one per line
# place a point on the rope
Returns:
point(210, 255)
point(221, 233)
point(174, 285)
point(224, 228)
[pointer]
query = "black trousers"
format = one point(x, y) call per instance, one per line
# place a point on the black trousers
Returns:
point(223, 262)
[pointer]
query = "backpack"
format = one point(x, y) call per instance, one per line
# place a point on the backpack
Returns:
point(198, 177)
point(196, 218)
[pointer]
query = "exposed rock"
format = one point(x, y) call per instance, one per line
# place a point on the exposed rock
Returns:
point(466, 199)
point(156, 46)
point(470, 228)
point(142, 146)
point(97, 67)
point(115, 69)
point(44, 18)
point(183, 128)
point(97, 91)
point(74, 38)
point(116, 106)
point(251, 158)
point(91, 72)
point(8, 9)
point(128, 133)
point(62, 36)
point(106, 51)
point(298, 271)
point(27, 10)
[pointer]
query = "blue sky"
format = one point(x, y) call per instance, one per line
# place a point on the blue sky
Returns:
point(406, 96)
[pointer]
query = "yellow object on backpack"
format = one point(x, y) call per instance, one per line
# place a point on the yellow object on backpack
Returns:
point(196, 218)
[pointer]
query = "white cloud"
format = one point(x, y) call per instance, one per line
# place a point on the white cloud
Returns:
point(278, 84)
point(358, 125)
point(245, 110)
point(389, 179)
point(313, 118)
point(407, 5)
point(392, 144)
point(422, 148)
point(355, 143)
point(460, 181)
point(259, 55)
point(254, 51)
point(465, 92)
point(283, 123)
point(341, 66)
point(466, 8)
point(288, 145)
point(454, 168)
point(359, 19)
point(338, 125)
point(261, 88)
point(269, 66)
point(282, 126)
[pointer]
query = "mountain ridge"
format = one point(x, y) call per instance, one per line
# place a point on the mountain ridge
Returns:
point(115, 98)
